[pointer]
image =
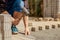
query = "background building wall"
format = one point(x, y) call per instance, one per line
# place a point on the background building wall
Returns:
point(50, 8)
point(58, 6)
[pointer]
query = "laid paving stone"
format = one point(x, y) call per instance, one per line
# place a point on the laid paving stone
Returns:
point(46, 27)
point(40, 28)
point(53, 26)
point(36, 19)
point(51, 19)
point(29, 24)
point(48, 19)
point(58, 25)
point(57, 19)
point(40, 19)
point(33, 29)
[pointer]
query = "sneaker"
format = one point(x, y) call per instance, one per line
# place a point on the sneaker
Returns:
point(14, 29)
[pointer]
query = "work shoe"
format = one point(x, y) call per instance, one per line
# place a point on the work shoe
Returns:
point(14, 29)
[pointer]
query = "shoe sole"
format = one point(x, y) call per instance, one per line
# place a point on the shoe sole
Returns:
point(14, 33)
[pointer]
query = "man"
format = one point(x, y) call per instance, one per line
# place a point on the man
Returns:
point(14, 8)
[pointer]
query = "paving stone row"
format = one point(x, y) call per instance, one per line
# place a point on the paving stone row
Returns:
point(44, 25)
point(44, 19)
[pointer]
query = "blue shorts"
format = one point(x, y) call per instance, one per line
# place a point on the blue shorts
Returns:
point(17, 6)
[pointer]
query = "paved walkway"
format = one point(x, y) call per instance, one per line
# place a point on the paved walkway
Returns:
point(51, 34)
point(48, 34)
point(22, 37)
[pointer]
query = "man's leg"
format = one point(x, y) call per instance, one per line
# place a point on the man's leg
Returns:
point(25, 20)
point(17, 16)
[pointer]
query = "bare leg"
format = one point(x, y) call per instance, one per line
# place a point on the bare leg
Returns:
point(17, 16)
point(25, 20)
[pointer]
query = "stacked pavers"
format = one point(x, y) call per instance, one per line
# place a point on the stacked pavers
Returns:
point(5, 27)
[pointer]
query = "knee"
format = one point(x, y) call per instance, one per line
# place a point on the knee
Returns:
point(15, 22)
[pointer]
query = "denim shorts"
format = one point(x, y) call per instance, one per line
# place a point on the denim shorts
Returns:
point(17, 6)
